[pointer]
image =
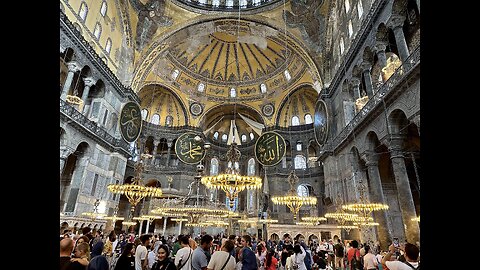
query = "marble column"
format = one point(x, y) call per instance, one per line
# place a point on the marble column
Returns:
point(396, 24)
point(376, 196)
point(180, 227)
point(380, 48)
point(169, 144)
point(164, 226)
point(148, 225)
point(404, 193)
point(356, 87)
point(64, 153)
point(74, 190)
point(89, 81)
point(366, 68)
point(154, 152)
point(141, 227)
point(72, 68)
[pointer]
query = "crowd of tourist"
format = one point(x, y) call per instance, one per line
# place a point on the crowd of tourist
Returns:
point(95, 251)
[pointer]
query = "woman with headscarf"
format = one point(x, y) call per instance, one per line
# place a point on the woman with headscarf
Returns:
point(127, 259)
point(163, 261)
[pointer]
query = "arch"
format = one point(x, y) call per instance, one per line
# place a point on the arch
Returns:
point(148, 147)
point(300, 162)
point(308, 119)
point(155, 119)
point(63, 137)
point(214, 166)
point(153, 183)
point(398, 122)
point(103, 8)
point(399, 7)
point(313, 238)
point(144, 114)
point(382, 33)
point(368, 55)
point(108, 45)
point(97, 31)
point(83, 11)
point(251, 167)
point(299, 237)
point(299, 101)
point(97, 90)
point(274, 237)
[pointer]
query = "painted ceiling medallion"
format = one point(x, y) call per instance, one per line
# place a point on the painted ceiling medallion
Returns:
point(196, 109)
point(268, 109)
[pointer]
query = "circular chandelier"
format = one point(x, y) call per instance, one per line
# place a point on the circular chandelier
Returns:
point(417, 219)
point(231, 182)
point(292, 200)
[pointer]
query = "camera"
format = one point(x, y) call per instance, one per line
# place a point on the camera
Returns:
point(395, 242)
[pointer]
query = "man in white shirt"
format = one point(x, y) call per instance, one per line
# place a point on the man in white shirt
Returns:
point(411, 257)
point(369, 260)
point(183, 258)
point(222, 259)
point(141, 262)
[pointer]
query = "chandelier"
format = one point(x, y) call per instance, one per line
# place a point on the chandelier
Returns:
point(292, 200)
point(114, 217)
point(417, 219)
point(135, 191)
point(312, 220)
point(231, 182)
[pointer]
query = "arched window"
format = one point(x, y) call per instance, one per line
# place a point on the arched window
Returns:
point(308, 119)
point(155, 119)
point(360, 8)
point(299, 146)
point(243, 3)
point(347, 5)
point(233, 92)
point(287, 75)
point(235, 204)
point(342, 46)
point(97, 31)
point(244, 138)
point(229, 3)
point(215, 3)
point(103, 9)
point(237, 165)
point(350, 28)
point(201, 87)
point(252, 137)
point(202, 1)
point(256, 2)
point(295, 121)
point(214, 166)
point(251, 167)
point(302, 191)
point(144, 114)
point(169, 121)
point(263, 88)
point(224, 137)
point(300, 162)
point(215, 135)
point(83, 11)
point(175, 74)
point(108, 46)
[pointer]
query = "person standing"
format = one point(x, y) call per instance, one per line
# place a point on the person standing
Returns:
point(248, 258)
point(411, 253)
point(127, 259)
point(183, 258)
point(163, 261)
point(141, 261)
point(199, 256)
point(339, 251)
point(369, 260)
point(222, 259)
point(66, 247)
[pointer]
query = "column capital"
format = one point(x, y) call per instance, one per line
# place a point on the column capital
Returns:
point(169, 144)
point(65, 151)
point(73, 66)
point(355, 81)
point(396, 21)
point(156, 143)
point(380, 46)
point(395, 146)
point(89, 81)
point(371, 158)
point(366, 66)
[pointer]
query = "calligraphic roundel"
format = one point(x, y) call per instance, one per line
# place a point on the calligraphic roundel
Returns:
point(188, 149)
point(130, 121)
point(320, 122)
point(270, 149)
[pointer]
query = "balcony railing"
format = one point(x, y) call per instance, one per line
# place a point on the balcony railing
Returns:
point(397, 77)
point(91, 126)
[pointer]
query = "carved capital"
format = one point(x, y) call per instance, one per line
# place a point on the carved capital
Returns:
point(65, 152)
point(380, 46)
point(73, 66)
point(366, 66)
point(396, 21)
point(371, 158)
point(89, 81)
point(355, 82)
point(396, 146)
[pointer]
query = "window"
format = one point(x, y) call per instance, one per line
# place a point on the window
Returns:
point(360, 8)
point(244, 138)
point(302, 191)
point(347, 5)
point(287, 75)
point(233, 93)
point(215, 135)
point(215, 3)
point(103, 9)
point(252, 136)
point(175, 74)
point(155, 119)
point(300, 162)
point(214, 166)
point(308, 119)
point(256, 2)
point(201, 87)
point(105, 118)
point(169, 121)
point(251, 167)
point(224, 137)
point(108, 46)
point(144, 114)
point(243, 3)
point(97, 31)
point(263, 88)
point(295, 121)
point(342, 46)
point(350, 28)
point(202, 1)
point(94, 185)
point(299, 146)
point(229, 3)
point(83, 11)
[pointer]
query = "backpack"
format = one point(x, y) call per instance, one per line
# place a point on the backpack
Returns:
point(308, 260)
point(354, 263)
